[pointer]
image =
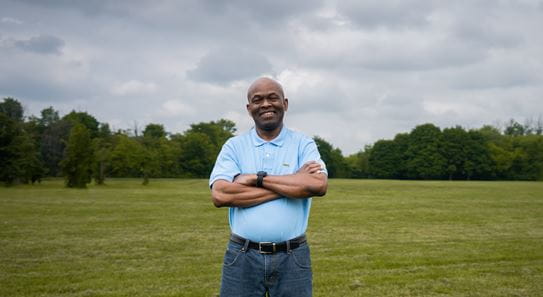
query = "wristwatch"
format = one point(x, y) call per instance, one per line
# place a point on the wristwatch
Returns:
point(260, 178)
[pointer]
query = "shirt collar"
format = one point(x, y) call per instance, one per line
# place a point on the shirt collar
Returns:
point(277, 141)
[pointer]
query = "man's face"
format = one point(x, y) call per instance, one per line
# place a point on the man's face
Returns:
point(267, 105)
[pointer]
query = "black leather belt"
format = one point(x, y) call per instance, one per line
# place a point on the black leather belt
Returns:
point(270, 247)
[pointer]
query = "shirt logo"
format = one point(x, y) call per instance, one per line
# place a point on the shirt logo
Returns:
point(286, 165)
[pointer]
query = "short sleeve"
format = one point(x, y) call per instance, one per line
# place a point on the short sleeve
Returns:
point(226, 167)
point(310, 152)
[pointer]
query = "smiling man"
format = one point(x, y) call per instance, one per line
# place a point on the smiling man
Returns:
point(267, 177)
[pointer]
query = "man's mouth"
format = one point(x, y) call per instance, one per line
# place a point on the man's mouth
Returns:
point(267, 114)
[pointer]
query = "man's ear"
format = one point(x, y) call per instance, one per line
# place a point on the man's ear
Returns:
point(286, 104)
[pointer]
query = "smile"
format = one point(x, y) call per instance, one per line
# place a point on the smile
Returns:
point(267, 114)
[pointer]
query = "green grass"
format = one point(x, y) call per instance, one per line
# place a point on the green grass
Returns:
point(368, 238)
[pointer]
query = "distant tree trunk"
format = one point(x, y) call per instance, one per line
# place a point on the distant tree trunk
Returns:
point(145, 179)
point(101, 175)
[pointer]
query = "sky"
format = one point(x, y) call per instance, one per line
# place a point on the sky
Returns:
point(354, 71)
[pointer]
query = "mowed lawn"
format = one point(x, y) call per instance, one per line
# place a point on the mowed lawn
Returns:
point(368, 238)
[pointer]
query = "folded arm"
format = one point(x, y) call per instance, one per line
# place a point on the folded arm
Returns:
point(225, 193)
point(306, 182)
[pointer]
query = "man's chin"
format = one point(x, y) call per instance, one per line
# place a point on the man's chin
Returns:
point(269, 126)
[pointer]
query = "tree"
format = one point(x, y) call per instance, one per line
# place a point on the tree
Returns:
point(358, 163)
point(155, 131)
point(85, 119)
point(101, 159)
point(218, 132)
point(478, 164)
point(12, 108)
point(49, 116)
point(9, 150)
point(30, 165)
point(513, 128)
point(332, 157)
point(126, 156)
point(455, 141)
point(425, 159)
point(383, 160)
point(168, 155)
point(149, 165)
point(53, 143)
point(104, 131)
point(77, 161)
point(198, 154)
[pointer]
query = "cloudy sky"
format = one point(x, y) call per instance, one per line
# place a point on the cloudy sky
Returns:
point(354, 71)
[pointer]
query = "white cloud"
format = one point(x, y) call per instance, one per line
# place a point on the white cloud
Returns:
point(354, 71)
point(173, 108)
point(8, 20)
point(134, 87)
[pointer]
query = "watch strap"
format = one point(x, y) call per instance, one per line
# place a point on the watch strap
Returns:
point(260, 178)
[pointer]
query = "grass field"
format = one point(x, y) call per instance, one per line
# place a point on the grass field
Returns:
point(368, 238)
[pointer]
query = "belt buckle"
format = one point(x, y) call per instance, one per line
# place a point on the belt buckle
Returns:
point(266, 252)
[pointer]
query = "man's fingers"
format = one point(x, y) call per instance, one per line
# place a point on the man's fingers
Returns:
point(313, 167)
point(310, 167)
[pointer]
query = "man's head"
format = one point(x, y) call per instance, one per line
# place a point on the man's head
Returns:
point(266, 103)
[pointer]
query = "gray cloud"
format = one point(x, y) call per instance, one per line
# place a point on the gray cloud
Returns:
point(354, 71)
point(395, 13)
point(226, 65)
point(42, 44)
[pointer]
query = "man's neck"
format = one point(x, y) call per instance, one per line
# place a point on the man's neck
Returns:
point(269, 135)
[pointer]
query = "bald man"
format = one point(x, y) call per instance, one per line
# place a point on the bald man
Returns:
point(267, 177)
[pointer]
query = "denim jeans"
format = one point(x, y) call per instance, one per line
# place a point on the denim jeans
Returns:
point(248, 273)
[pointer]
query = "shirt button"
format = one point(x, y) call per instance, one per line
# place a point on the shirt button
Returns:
point(267, 155)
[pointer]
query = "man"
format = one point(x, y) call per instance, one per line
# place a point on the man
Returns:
point(267, 176)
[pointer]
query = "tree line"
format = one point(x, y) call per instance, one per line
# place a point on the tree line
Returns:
point(79, 148)
point(427, 152)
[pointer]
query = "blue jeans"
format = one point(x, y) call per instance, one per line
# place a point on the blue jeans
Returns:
point(250, 273)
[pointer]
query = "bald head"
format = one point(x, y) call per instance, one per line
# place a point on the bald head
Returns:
point(265, 82)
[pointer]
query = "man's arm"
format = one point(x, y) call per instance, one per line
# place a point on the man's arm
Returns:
point(226, 193)
point(306, 182)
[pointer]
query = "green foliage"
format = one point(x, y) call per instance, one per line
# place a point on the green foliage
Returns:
point(218, 132)
point(12, 108)
point(104, 131)
point(126, 157)
point(19, 156)
point(358, 164)
point(85, 119)
point(332, 157)
point(49, 116)
point(101, 159)
point(77, 161)
point(384, 159)
point(200, 145)
point(455, 141)
point(9, 151)
point(427, 152)
point(154, 131)
point(198, 153)
point(29, 163)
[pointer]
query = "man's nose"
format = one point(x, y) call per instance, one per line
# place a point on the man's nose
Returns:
point(266, 102)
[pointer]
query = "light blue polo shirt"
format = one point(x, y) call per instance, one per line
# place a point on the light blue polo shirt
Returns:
point(280, 219)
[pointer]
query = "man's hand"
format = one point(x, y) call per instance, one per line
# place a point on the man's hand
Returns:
point(310, 167)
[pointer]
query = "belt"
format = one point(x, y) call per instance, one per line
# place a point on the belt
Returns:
point(270, 247)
